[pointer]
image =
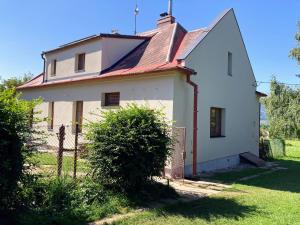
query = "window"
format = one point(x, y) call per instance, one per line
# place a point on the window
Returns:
point(111, 99)
point(50, 115)
point(53, 67)
point(78, 116)
point(80, 62)
point(217, 122)
point(229, 62)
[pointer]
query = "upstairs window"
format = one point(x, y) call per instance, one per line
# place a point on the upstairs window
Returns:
point(50, 115)
point(80, 62)
point(111, 99)
point(53, 67)
point(216, 122)
point(229, 64)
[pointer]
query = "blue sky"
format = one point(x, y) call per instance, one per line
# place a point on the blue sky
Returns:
point(31, 26)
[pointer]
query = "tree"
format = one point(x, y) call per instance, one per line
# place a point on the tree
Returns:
point(16, 144)
point(14, 81)
point(283, 111)
point(129, 146)
point(295, 52)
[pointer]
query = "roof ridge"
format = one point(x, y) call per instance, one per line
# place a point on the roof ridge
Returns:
point(168, 59)
point(199, 29)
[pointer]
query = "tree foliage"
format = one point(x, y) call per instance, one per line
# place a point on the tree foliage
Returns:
point(16, 143)
point(283, 111)
point(295, 52)
point(14, 82)
point(128, 146)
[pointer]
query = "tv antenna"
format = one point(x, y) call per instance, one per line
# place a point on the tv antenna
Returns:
point(170, 8)
point(136, 13)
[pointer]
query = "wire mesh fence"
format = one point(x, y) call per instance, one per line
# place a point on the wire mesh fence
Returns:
point(69, 140)
point(51, 138)
point(62, 140)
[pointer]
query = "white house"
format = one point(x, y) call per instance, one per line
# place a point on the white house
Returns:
point(201, 79)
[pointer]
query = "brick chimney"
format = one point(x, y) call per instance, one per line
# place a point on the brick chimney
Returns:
point(165, 19)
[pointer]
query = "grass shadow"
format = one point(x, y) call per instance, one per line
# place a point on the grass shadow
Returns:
point(208, 208)
point(285, 179)
point(281, 180)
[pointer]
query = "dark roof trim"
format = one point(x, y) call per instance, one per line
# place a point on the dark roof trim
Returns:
point(93, 37)
point(260, 94)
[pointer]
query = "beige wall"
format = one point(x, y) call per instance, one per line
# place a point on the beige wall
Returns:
point(216, 89)
point(100, 54)
point(65, 66)
point(154, 91)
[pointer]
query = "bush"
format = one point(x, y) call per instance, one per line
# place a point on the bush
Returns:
point(129, 146)
point(63, 201)
point(15, 136)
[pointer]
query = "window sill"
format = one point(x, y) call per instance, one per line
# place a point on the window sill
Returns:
point(110, 106)
point(79, 71)
point(218, 137)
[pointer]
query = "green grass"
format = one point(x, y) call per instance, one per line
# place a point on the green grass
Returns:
point(292, 147)
point(266, 200)
point(48, 162)
point(233, 176)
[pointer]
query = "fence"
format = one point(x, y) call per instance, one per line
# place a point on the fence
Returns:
point(69, 140)
point(60, 140)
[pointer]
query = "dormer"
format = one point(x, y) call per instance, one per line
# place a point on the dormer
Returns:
point(88, 56)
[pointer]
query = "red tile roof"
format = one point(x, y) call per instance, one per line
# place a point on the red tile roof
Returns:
point(157, 53)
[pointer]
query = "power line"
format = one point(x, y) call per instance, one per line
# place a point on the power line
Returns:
point(269, 82)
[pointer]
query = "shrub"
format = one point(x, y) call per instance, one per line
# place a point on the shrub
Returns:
point(15, 136)
point(129, 146)
point(62, 201)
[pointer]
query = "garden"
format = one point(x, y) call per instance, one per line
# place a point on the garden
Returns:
point(127, 148)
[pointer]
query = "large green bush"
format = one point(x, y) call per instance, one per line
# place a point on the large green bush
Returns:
point(16, 143)
point(128, 146)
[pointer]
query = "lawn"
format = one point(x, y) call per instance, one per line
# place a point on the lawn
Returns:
point(48, 163)
point(270, 199)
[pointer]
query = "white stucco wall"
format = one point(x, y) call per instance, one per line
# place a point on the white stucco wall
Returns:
point(65, 65)
point(100, 54)
point(154, 91)
point(235, 93)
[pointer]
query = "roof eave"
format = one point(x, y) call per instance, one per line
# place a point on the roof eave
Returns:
point(261, 94)
point(104, 77)
point(101, 35)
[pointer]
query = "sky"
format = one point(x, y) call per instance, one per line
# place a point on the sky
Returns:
point(32, 26)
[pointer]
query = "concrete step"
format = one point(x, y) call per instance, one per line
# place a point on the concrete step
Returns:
point(253, 159)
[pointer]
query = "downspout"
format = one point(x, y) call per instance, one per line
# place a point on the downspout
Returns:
point(44, 69)
point(195, 122)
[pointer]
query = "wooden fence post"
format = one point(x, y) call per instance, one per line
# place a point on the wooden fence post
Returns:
point(75, 150)
point(61, 138)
